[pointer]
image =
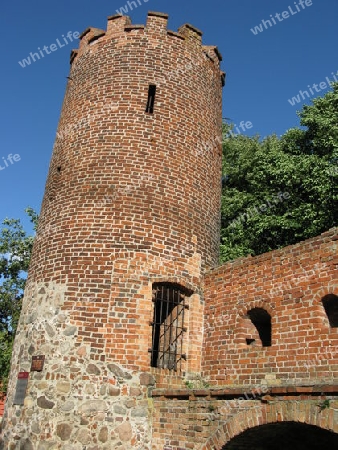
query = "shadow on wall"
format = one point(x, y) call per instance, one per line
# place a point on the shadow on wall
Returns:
point(284, 436)
point(255, 328)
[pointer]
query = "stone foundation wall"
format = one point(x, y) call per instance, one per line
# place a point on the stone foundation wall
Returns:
point(75, 401)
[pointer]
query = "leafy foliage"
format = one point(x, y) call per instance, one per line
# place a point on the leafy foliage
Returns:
point(280, 191)
point(15, 253)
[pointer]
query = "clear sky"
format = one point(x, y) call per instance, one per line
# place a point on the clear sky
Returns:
point(265, 69)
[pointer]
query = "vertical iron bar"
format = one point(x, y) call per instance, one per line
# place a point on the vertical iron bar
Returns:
point(160, 324)
point(172, 329)
point(153, 329)
point(169, 329)
point(177, 293)
point(183, 307)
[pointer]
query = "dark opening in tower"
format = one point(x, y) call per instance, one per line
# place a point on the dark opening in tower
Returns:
point(151, 99)
point(170, 303)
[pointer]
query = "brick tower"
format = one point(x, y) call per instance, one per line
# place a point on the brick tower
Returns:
point(129, 224)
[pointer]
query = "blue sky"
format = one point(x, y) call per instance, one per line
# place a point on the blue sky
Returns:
point(264, 70)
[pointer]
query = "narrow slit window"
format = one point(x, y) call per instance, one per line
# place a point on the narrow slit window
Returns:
point(168, 326)
point(151, 99)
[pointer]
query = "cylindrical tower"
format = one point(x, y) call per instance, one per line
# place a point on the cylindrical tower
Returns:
point(129, 224)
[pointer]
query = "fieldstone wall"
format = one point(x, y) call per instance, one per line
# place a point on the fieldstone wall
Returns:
point(74, 401)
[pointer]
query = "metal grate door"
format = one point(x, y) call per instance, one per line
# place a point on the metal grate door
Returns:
point(168, 326)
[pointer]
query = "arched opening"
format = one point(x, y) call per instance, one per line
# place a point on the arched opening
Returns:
point(330, 303)
point(261, 319)
point(284, 436)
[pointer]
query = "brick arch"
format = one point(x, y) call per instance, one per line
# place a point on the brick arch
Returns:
point(269, 307)
point(319, 307)
point(175, 280)
point(243, 327)
point(265, 414)
point(327, 290)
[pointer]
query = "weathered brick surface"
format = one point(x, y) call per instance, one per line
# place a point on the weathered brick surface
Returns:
point(289, 284)
point(2, 405)
point(208, 422)
point(131, 198)
point(251, 385)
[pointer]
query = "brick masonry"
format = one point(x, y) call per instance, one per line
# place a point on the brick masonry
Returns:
point(244, 386)
point(208, 422)
point(289, 284)
point(132, 199)
point(2, 407)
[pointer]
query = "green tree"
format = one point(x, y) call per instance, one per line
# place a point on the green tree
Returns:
point(280, 191)
point(15, 253)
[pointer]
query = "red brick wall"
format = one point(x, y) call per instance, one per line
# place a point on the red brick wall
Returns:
point(205, 421)
point(2, 406)
point(289, 284)
point(132, 197)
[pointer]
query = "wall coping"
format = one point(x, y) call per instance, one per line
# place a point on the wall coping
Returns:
point(313, 390)
point(273, 255)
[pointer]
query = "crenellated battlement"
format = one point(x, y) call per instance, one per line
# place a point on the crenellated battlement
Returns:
point(119, 27)
point(191, 33)
point(89, 35)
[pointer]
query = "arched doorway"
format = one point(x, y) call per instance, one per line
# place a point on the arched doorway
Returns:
point(283, 436)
